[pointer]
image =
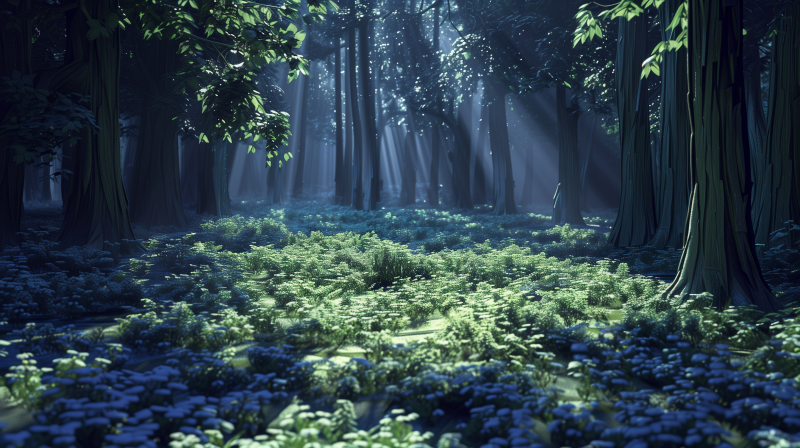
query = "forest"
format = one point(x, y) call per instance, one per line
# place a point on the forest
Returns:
point(399, 223)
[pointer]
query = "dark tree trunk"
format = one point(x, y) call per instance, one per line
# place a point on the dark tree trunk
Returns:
point(95, 207)
point(408, 172)
point(719, 249)
point(189, 171)
point(338, 167)
point(756, 128)
point(275, 180)
point(46, 195)
point(779, 190)
point(501, 154)
point(433, 178)
point(567, 199)
point(129, 159)
point(212, 188)
point(347, 170)
point(479, 187)
point(358, 190)
point(156, 188)
point(463, 141)
point(15, 54)
point(636, 219)
point(297, 190)
point(587, 158)
point(31, 190)
point(156, 194)
point(370, 127)
point(673, 193)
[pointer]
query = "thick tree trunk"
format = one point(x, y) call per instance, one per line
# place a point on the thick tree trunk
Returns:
point(463, 141)
point(189, 171)
point(433, 179)
point(501, 154)
point(719, 249)
point(212, 188)
point(46, 164)
point(756, 128)
point(339, 155)
point(358, 149)
point(636, 221)
point(408, 172)
point(156, 193)
point(479, 187)
point(780, 187)
point(567, 199)
point(673, 193)
point(96, 207)
point(347, 169)
point(14, 55)
point(370, 126)
point(129, 155)
point(275, 180)
point(297, 190)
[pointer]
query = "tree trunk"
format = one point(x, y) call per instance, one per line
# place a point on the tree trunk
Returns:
point(636, 220)
point(673, 192)
point(15, 54)
point(567, 199)
point(370, 127)
point(212, 189)
point(433, 178)
point(358, 190)
point(501, 154)
point(189, 171)
point(156, 187)
point(779, 190)
point(297, 190)
point(275, 180)
point(95, 207)
point(338, 167)
point(46, 195)
point(408, 173)
point(461, 190)
point(479, 187)
point(719, 249)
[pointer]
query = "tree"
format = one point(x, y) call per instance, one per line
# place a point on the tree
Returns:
point(95, 204)
point(672, 201)
point(778, 208)
point(635, 224)
point(719, 247)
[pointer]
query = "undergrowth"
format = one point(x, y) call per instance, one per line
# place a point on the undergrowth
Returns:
point(532, 336)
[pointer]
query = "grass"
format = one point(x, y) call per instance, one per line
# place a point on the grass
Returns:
point(320, 325)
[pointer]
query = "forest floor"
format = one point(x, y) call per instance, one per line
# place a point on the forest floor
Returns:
point(309, 322)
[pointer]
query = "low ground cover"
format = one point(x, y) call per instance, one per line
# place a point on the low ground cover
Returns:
point(317, 324)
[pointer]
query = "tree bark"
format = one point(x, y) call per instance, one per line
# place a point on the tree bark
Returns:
point(501, 154)
point(567, 199)
point(370, 126)
point(673, 193)
point(15, 54)
point(156, 189)
point(408, 173)
point(339, 155)
point(95, 207)
point(275, 180)
point(358, 190)
point(636, 221)
point(779, 190)
point(719, 249)
point(297, 190)
point(479, 187)
point(189, 171)
point(461, 157)
point(212, 189)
